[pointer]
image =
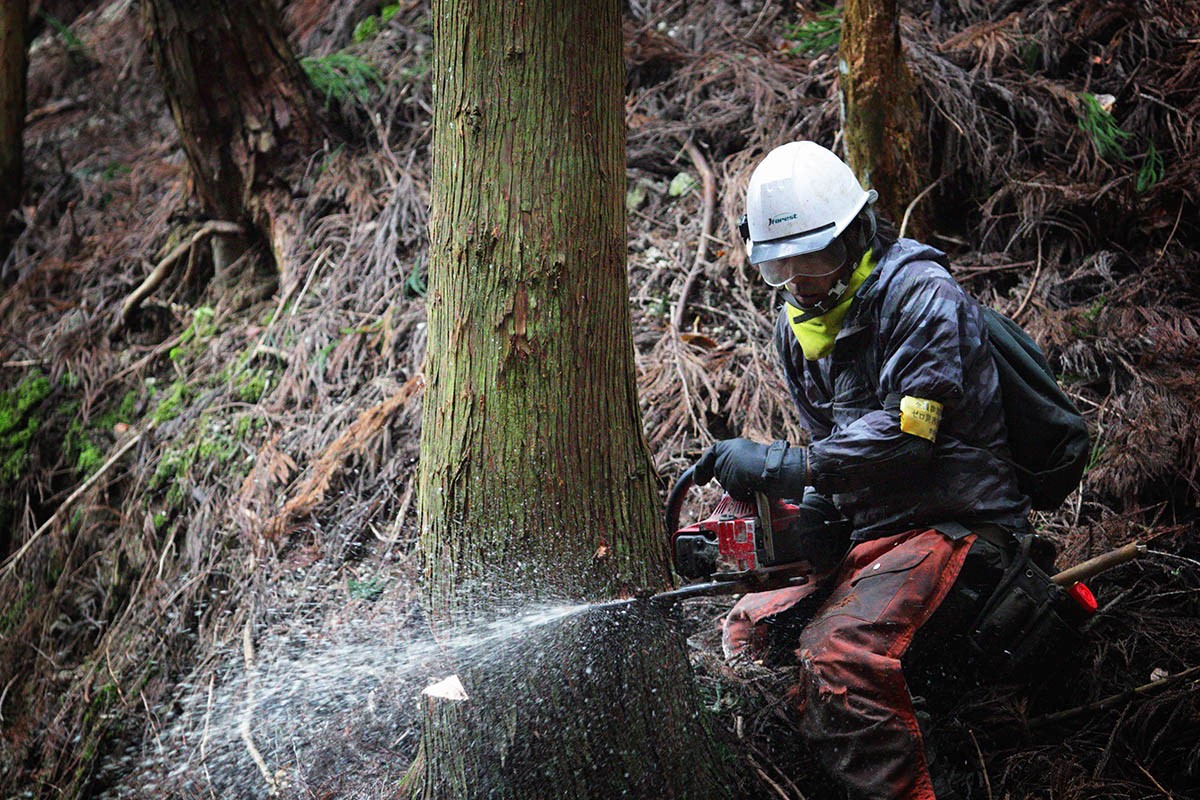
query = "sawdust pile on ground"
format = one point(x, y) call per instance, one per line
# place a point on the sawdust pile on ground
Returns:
point(282, 452)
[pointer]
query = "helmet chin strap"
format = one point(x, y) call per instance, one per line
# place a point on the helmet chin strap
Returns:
point(838, 291)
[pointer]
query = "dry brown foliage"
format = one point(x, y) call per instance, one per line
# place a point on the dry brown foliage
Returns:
point(280, 475)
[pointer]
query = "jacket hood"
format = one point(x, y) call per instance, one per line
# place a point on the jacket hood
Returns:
point(893, 261)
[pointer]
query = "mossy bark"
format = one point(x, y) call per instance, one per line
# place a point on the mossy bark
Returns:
point(884, 136)
point(245, 111)
point(12, 111)
point(536, 484)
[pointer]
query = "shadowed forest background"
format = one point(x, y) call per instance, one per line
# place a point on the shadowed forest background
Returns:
point(207, 482)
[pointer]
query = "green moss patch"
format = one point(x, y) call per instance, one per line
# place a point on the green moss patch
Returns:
point(19, 423)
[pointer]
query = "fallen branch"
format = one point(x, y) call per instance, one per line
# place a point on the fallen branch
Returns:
point(765, 778)
point(908, 211)
point(1037, 272)
point(167, 265)
point(709, 188)
point(967, 272)
point(405, 503)
point(1162, 250)
point(11, 562)
point(987, 782)
point(1113, 700)
point(762, 774)
point(158, 350)
point(1154, 780)
point(56, 107)
point(208, 709)
point(4, 694)
point(244, 726)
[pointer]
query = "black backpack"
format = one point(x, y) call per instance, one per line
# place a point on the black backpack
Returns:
point(1046, 433)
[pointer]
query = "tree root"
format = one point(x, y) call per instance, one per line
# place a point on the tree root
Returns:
point(167, 266)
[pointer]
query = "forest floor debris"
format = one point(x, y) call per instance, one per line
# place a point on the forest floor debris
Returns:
point(1065, 180)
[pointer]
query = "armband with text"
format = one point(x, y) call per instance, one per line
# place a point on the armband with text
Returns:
point(920, 417)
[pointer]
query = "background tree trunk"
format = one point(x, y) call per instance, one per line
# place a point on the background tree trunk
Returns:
point(536, 483)
point(885, 144)
point(12, 111)
point(242, 104)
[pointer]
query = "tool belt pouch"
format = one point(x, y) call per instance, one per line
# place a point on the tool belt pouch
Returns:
point(1021, 621)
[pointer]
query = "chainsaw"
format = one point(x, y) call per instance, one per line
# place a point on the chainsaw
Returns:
point(764, 544)
point(748, 546)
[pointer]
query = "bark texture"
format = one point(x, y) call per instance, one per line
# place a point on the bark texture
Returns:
point(242, 105)
point(536, 484)
point(883, 123)
point(12, 110)
point(532, 455)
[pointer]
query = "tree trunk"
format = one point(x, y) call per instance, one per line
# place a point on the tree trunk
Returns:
point(12, 112)
point(536, 483)
point(242, 104)
point(883, 128)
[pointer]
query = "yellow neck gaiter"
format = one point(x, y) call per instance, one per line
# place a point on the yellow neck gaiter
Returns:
point(816, 335)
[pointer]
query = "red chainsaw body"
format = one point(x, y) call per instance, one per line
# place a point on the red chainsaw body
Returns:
point(735, 526)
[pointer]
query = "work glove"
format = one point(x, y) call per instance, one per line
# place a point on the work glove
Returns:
point(744, 467)
point(819, 534)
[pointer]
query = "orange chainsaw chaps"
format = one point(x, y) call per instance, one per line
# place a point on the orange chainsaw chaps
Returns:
point(852, 700)
point(744, 633)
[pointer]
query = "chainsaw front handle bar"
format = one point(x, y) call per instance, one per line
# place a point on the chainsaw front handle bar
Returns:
point(675, 500)
point(679, 491)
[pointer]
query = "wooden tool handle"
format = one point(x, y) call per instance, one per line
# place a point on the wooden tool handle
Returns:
point(1101, 563)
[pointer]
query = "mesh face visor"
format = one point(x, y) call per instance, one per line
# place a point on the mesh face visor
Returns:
point(818, 264)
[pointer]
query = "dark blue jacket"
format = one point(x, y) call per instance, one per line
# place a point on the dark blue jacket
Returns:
point(911, 330)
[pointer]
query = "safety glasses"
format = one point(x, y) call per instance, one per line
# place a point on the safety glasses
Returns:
point(820, 264)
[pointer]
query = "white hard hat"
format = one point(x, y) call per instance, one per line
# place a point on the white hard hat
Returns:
point(801, 198)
